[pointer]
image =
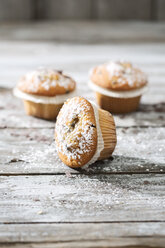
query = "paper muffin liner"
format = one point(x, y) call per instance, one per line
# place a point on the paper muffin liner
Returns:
point(40, 110)
point(108, 130)
point(106, 135)
point(59, 99)
point(100, 141)
point(118, 102)
point(118, 105)
point(118, 94)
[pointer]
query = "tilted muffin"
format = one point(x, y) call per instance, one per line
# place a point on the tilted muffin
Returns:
point(118, 86)
point(44, 92)
point(84, 133)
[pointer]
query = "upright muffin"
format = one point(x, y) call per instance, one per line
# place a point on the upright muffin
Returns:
point(84, 133)
point(44, 92)
point(118, 86)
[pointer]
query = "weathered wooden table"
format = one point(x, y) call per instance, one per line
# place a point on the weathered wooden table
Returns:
point(119, 202)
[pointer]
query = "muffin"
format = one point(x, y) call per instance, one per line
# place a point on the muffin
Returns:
point(118, 86)
point(44, 91)
point(84, 133)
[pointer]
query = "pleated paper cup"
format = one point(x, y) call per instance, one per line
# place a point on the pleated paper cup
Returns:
point(43, 106)
point(108, 130)
point(40, 110)
point(118, 105)
point(106, 135)
point(118, 102)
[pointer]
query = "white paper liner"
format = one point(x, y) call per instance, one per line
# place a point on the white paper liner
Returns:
point(100, 141)
point(118, 94)
point(59, 99)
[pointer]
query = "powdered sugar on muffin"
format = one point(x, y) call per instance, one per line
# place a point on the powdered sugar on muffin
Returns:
point(125, 72)
point(45, 81)
point(118, 75)
point(75, 131)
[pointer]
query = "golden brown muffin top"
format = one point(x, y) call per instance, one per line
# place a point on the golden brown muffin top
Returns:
point(118, 76)
point(75, 132)
point(46, 82)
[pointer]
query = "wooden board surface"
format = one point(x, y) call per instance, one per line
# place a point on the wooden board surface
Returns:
point(119, 202)
point(27, 150)
point(148, 114)
point(84, 235)
point(79, 198)
point(17, 10)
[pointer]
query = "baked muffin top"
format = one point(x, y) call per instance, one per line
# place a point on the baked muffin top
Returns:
point(118, 76)
point(46, 82)
point(75, 132)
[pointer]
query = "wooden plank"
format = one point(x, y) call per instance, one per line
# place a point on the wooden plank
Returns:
point(12, 113)
point(145, 233)
point(160, 10)
point(80, 198)
point(110, 243)
point(114, 165)
point(76, 60)
point(63, 9)
point(123, 10)
point(16, 10)
point(72, 197)
point(86, 32)
point(32, 151)
point(12, 109)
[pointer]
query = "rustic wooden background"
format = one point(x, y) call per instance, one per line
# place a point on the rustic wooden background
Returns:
point(118, 202)
point(21, 10)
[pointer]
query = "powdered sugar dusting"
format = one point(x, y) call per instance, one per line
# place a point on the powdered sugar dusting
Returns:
point(46, 78)
point(124, 73)
point(74, 130)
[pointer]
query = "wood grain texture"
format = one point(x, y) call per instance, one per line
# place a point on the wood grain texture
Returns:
point(161, 10)
point(115, 165)
point(111, 243)
point(117, 202)
point(12, 112)
point(16, 10)
point(94, 198)
point(63, 9)
point(75, 9)
point(32, 151)
point(86, 32)
point(123, 10)
point(77, 60)
point(82, 233)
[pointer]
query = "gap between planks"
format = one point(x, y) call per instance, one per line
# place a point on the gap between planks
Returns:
point(80, 222)
point(106, 243)
point(109, 243)
point(78, 235)
point(79, 232)
point(78, 173)
point(100, 199)
point(122, 127)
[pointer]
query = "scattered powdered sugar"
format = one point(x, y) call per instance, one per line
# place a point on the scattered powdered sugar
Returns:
point(74, 130)
point(47, 78)
point(103, 197)
point(148, 144)
point(45, 154)
point(125, 72)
